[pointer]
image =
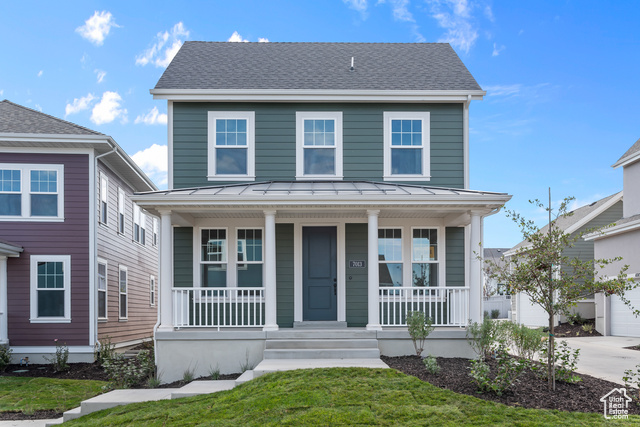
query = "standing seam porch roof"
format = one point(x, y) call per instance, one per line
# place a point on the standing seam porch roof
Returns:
point(317, 66)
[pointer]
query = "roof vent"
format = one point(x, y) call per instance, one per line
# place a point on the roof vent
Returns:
point(593, 203)
point(352, 68)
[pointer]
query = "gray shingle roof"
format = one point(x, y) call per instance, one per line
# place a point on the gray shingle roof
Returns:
point(319, 66)
point(635, 148)
point(16, 118)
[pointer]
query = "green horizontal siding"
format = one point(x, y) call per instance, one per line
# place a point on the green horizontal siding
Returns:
point(455, 256)
point(183, 257)
point(357, 278)
point(276, 140)
point(284, 274)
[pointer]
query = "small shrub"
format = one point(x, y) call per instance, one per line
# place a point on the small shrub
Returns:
point(104, 350)
point(527, 342)
point(566, 362)
point(588, 328)
point(486, 314)
point(419, 329)
point(60, 359)
point(431, 364)
point(631, 380)
point(485, 337)
point(154, 381)
point(5, 356)
point(507, 372)
point(575, 319)
point(495, 313)
point(214, 373)
point(479, 373)
point(125, 373)
point(188, 375)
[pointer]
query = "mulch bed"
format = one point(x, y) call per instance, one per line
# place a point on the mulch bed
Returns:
point(565, 330)
point(530, 392)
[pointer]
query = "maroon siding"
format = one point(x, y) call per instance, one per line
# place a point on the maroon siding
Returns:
point(70, 237)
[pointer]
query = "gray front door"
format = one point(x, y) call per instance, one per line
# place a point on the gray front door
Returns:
point(319, 273)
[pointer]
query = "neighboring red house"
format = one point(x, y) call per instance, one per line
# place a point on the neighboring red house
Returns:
point(78, 260)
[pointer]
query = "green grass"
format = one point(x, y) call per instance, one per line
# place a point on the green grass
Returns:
point(33, 394)
point(339, 396)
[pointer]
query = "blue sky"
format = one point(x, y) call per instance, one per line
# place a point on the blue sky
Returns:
point(562, 78)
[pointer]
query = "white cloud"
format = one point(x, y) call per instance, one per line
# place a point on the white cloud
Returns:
point(236, 38)
point(489, 13)
point(153, 117)
point(497, 49)
point(503, 90)
point(40, 73)
point(79, 104)
point(165, 48)
point(38, 107)
point(96, 28)
point(100, 75)
point(154, 162)
point(400, 10)
point(1, 92)
point(109, 109)
point(359, 6)
point(263, 40)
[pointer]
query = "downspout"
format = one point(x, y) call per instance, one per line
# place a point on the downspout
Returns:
point(94, 261)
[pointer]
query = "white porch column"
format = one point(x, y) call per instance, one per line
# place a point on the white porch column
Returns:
point(4, 324)
point(270, 300)
point(166, 279)
point(374, 282)
point(475, 275)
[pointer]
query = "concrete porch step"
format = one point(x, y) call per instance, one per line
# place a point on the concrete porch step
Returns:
point(322, 353)
point(319, 324)
point(302, 334)
point(274, 365)
point(320, 343)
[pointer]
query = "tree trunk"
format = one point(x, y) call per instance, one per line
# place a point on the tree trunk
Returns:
point(551, 357)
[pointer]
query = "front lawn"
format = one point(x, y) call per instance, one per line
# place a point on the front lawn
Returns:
point(338, 396)
point(28, 395)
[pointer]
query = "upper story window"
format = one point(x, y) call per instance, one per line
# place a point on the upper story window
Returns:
point(139, 224)
point(406, 146)
point(31, 192)
point(104, 197)
point(319, 145)
point(231, 146)
point(121, 216)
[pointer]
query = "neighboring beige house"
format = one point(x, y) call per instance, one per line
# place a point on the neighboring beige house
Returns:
point(622, 239)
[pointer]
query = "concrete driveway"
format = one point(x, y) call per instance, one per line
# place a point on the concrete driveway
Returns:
point(605, 357)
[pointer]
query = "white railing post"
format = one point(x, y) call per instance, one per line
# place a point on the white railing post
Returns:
point(166, 279)
point(271, 306)
point(475, 273)
point(373, 305)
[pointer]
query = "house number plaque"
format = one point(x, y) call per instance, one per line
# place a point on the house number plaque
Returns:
point(357, 264)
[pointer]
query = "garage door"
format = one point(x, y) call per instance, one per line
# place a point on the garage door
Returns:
point(623, 322)
point(531, 314)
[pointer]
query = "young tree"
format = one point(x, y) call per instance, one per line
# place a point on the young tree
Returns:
point(552, 280)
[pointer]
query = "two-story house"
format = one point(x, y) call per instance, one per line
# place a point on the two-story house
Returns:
point(78, 259)
point(316, 191)
point(622, 239)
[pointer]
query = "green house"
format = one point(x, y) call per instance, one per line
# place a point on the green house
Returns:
point(317, 191)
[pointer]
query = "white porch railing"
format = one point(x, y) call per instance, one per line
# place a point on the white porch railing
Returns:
point(218, 307)
point(446, 306)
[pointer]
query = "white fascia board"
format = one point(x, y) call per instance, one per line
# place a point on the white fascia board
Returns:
point(10, 250)
point(627, 160)
point(302, 95)
point(612, 231)
point(584, 221)
point(56, 138)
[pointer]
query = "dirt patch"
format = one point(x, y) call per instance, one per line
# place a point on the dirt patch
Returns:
point(586, 329)
point(529, 392)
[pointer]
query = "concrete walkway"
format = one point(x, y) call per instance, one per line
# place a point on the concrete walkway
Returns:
point(605, 357)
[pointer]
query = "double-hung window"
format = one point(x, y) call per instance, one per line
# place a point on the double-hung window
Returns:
point(50, 288)
point(123, 292)
point(213, 257)
point(155, 231)
point(102, 289)
point(390, 257)
point(121, 216)
point(231, 145)
point(319, 145)
point(139, 224)
point(424, 257)
point(250, 257)
point(407, 146)
point(31, 192)
point(104, 197)
point(152, 291)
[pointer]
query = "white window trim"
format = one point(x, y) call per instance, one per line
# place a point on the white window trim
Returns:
point(122, 211)
point(66, 260)
point(104, 197)
point(197, 259)
point(120, 317)
point(301, 116)
point(152, 291)
point(141, 222)
point(250, 117)
point(25, 187)
point(154, 235)
point(403, 255)
point(235, 258)
point(426, 145)
point(106, 288)
point(441, 253)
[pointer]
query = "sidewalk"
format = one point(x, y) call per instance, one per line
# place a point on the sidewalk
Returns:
point(605, 357)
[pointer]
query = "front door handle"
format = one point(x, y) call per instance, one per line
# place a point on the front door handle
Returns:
point(335, 287)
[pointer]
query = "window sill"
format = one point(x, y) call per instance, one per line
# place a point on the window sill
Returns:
point(123, 320)
point(31, 219)
point(103, 320)
point(407, 177)
point(49, 320)
point(319, 178)
point(231, 178)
